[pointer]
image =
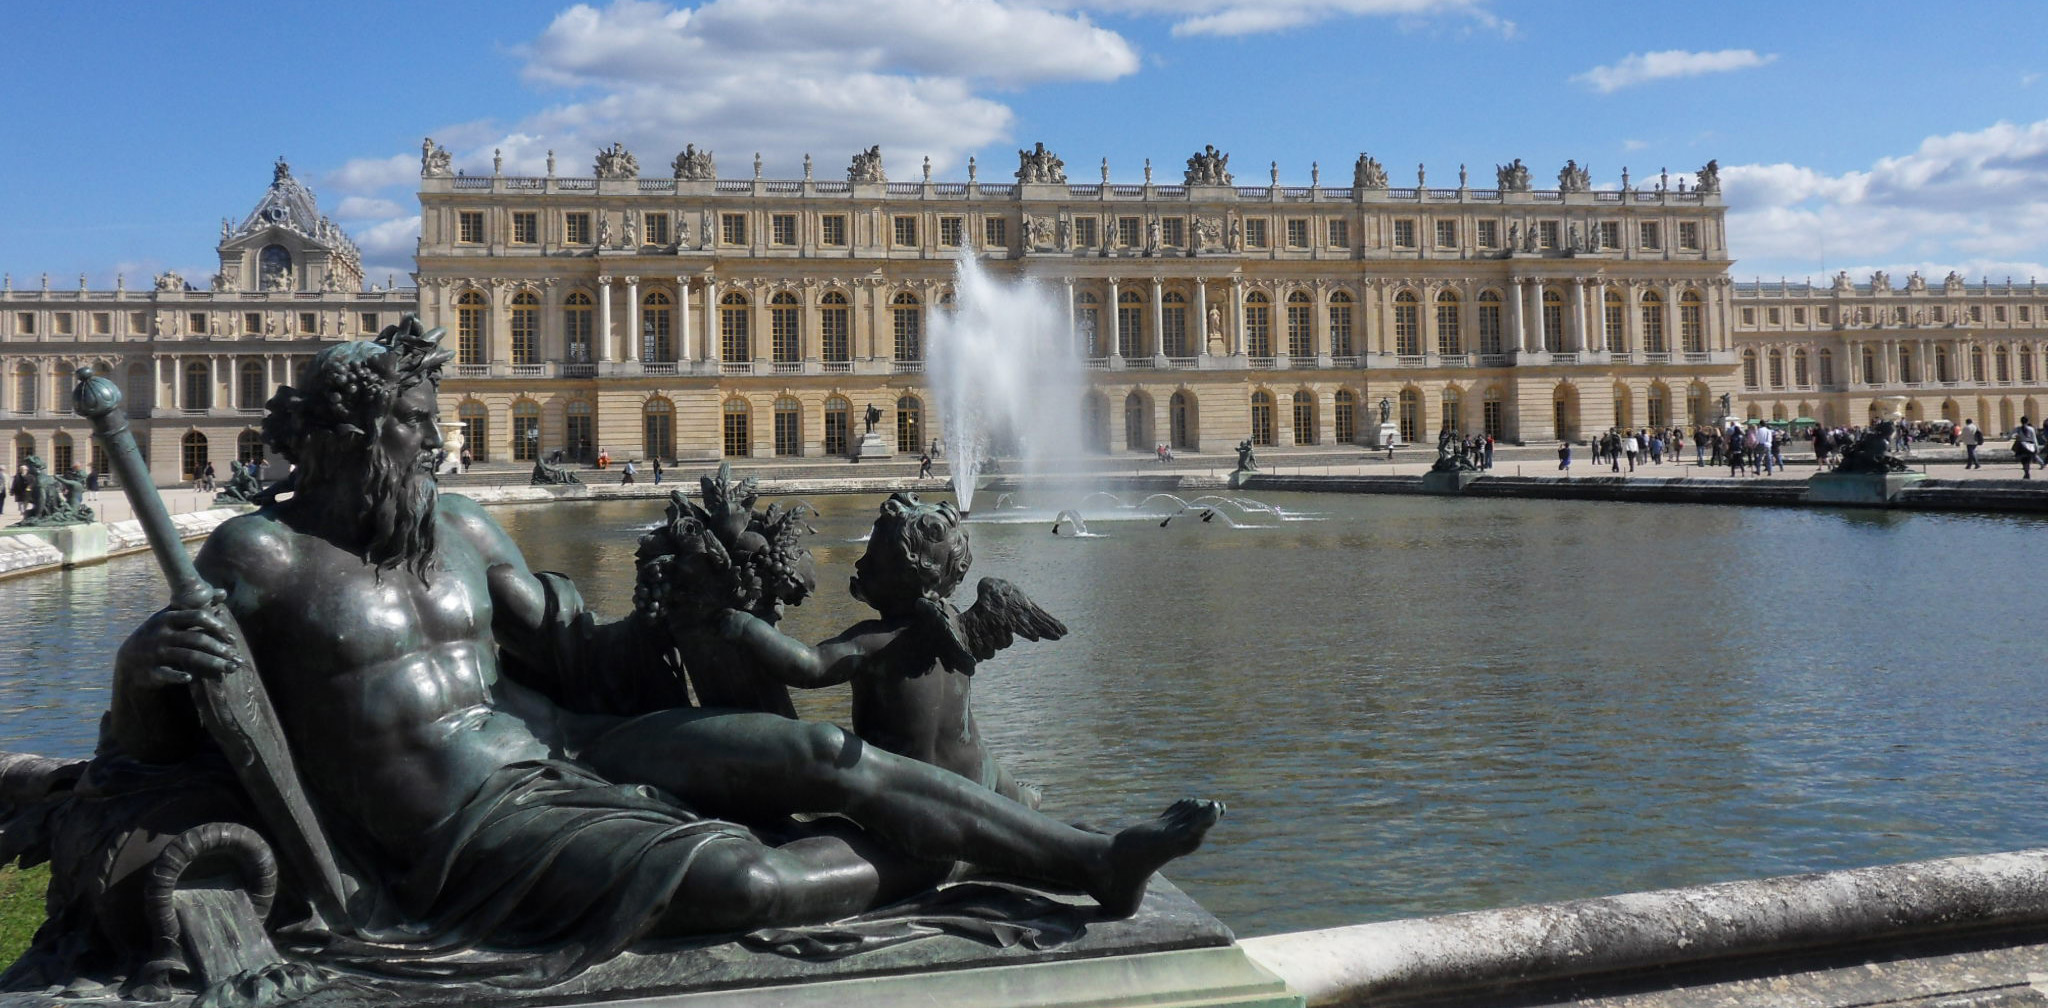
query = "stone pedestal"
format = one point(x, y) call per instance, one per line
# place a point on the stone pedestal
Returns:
point(872, 446)
point(75, 544)
point(1448, 482)
point(1386, 436)
point(1866, 489)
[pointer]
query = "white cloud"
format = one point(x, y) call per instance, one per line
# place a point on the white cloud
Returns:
point(361, 207)
point(1975, 202)
point(1640, 68)
point(362, 175)
point(1249, 17)
point(388, 247)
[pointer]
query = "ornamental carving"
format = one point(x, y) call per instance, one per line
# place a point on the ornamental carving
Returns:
point(1040, 231)
point(867, 166)
point(1368, 173)
point(434, 160)
point(1511, 177)
point(616, 162)
point(693, 165)
point(1208, 167)
point(1208, 233)
point(1710, 177)
point(1040, 166)
point(1572, 178)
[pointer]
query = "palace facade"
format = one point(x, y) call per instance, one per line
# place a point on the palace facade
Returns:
point(195, 366)
point(687, 315)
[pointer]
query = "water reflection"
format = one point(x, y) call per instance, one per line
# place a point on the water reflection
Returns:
point(1417, 705)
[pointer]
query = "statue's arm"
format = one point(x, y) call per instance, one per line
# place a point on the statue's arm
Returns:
point(860, 649)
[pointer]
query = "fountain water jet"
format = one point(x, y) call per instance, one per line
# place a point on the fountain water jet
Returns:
point(1007, 375)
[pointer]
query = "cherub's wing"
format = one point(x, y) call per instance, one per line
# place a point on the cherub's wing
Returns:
point(1001, 613)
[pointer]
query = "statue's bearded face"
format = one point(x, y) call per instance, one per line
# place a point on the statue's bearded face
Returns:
point(390, 477)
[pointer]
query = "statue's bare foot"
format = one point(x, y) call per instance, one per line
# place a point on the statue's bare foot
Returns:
point(1138, 851)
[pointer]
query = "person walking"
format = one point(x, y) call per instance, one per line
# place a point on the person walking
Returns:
point(1631, 448)
point(1973, 436)
point(2025, 448)
point(657, 470)
point(626, 474)
point(924, 466)
point(467, 460)
point(207, 476)
point(1488, 464)
point(18, 489)
point(1564, 457)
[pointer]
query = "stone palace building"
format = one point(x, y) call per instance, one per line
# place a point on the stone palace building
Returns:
point(685, 315)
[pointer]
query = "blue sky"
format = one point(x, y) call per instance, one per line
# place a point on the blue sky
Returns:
point(1852, 136)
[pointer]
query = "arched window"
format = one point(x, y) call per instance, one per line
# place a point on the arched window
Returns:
point(1826, 361)
point(1301, 333)
point(1652, 314)
point(1262, 418)
point(470, 311)
point(785, 340)
point(909, 425)
point(577, 326)
point(1408, 414)
point(1658, 411)
point(1407, 324)
point(658, 427)
point(1624, 407)
point(1614, 320)
point(1564, 412)
point(198, 386)
point(1696, 409)
point(1553, 321)
point(1130, 323)
point(735, 343)
point(657, 328)
point(837, 415)
point(1095, 422)
point(2026, 356)
point(1181, 416)
point(1777, 362)
point(1871, 373)
point(908, 326)
point(24, 446)
point(1304, 417)
point(738, 437)
point(1692, 330)
point(248, 447)
point(249, 382)
point(1173, 324)
point(525, 328)
point(192, 456)
point(141, 391)
point(1452, 415)
point(1977, 364)
point(1344, 418)
point(1943, 370)
point(1341, 344)
point(1137, 418)
point(1490, 330)
point(789, 429)
point(1802, 371)
point(1450, 339)
point(476, 429)
point(61, 455)
point(835, 331)
point(25, 386)
point(2001, 365)
point(1749, 370)
point(579, 430)
point(1258, 325)
point(1088, 325)
point(525, 431)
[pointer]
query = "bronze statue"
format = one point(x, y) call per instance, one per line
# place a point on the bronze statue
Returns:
point(54, 499)
point(454, 759)
point(1872, 452)
point(547, 474)
point(242, 486)
point(1246, 461)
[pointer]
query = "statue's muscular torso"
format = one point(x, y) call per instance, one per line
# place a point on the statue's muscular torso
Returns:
point(391, 680)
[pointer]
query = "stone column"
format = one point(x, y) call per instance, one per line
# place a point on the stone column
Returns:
point(1158, 317)
point(1202, 317)
point(877, 320)
point(1518, 327)
point(1577, 339)
point(714, 342)
point(1319, 325)
point(1236, 341)
point(603, 337)
point(1674, 341)
point(1073, 334)
point(684, 351)
point(1425, 321)
point(216, 383)
point(760, 341)
point(1116, 328)
point(1631, 318)
point(632, 318)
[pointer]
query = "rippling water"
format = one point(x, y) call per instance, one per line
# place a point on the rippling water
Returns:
point(1418, 705)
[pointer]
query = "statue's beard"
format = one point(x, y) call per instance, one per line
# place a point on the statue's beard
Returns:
point(398, 518)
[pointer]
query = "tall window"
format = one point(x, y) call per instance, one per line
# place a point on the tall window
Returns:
point(1493, 415)
point(1489, 322)
point(1087, 325)
point(469, 230)
point(1262, 418)
point(1653, 323)
point(141, 395)
point(905, 228)
point(837, 414)
point(1136, 415)
point(832, 230)
point(192, 455)
point(1802, 370)
point(1340, 325)
point(657, 327)
point(476, 429)
point(1692, 332)
point(1872, 374)
point(576, 228)
point(198, 386)
point(249, 383)
point(60, 453)
point(581, 430)
point(2001, 365)
point(1452, 416)
point(785, 340)
point(1258, 325)
point(734, 342)
point(951, 231)
point(1304, 417)
point(1826, 361)
point(1553, 321)
point(1173, 324)
point(248, 448)
point(525, 328)
point(908, 321)
point(1409, 414)
point(1749, 370)
point(782, 229)
point(789, 433)
point(1095, 422)
point(1130, 322)
point(1977, 364)
point(657, 229)
point(525, 227)
point(1180, 417)
point(576, 326)
point(1613, 318)
point(834, 329)
point(732, 228)
point(995, 233)
point(1301, 338)
point(470, 310)
point(909, 425)
point(1659, 412)
point(738, 439)
point(1407, 324)
point(1449, 339)
point(1344, 418)
point(525, 430)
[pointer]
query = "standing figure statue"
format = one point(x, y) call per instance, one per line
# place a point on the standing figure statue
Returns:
point(1246, 461)
point(874, 416)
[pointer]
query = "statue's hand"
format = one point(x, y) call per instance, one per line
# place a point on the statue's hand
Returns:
point(175, 645)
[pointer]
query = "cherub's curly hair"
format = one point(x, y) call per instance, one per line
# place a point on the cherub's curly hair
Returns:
point(349, 387)
point(725, 555)
point(917, 551)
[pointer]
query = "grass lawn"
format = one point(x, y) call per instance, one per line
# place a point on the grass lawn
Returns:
point(21, 908)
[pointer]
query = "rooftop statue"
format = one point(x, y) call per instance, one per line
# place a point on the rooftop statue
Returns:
point(867, 166)
point(465, 776)
point(1039, 166)
point(1511, 177)
point(1368, 173)
point(616, 162)
point(1710, 177)
point(1208, 167)
point(1572, 178)
point(693, 165)
point(54, 499)
point(434, 160)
